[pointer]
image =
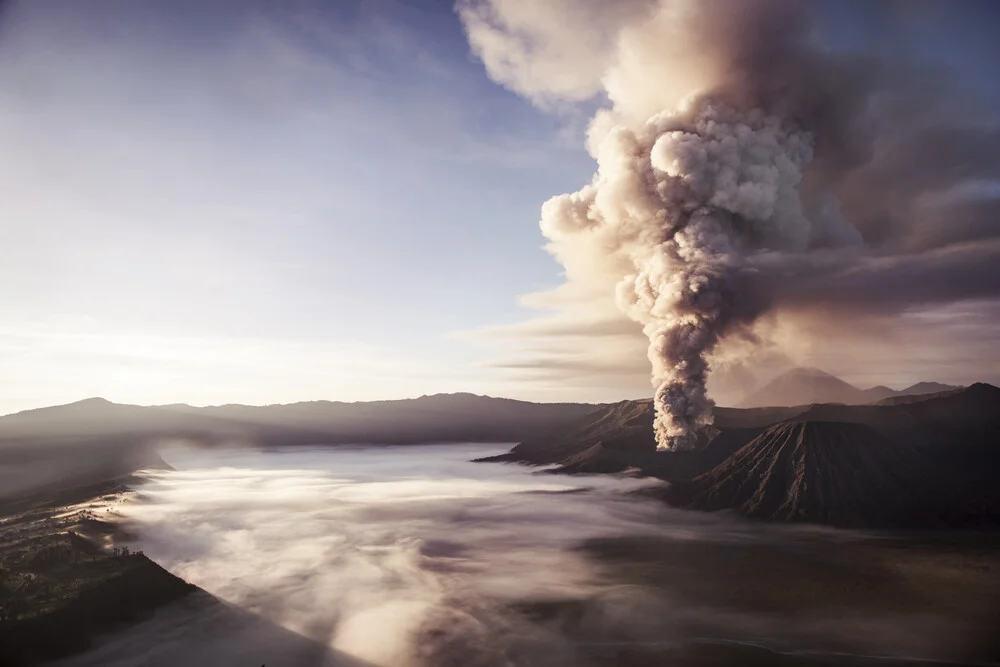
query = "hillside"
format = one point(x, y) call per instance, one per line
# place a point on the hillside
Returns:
point(90, 440)
point(834, 473)
point(804, 386)
point(68, 591)
point(801, 386)
point(619, 437)
point(625, 427)
point(438, 418)
point(887, 464)
point(959, 418)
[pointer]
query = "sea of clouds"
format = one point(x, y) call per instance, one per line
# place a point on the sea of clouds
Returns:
point(412, 556)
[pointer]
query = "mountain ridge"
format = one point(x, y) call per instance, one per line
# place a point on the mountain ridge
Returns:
point(98, 400)
point(939, 452)
point(439, 417)
point(88, 439)
point(835, 473)
point(807, 385)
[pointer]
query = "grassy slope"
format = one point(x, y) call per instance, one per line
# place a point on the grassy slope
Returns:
point(59, 587)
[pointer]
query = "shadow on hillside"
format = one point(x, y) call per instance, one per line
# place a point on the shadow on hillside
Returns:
point(203, 630)
point(67, 595)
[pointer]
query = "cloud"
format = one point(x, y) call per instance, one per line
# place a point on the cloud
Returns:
point(400, 556)
point(548, 51)
point(749, 180)
point(217, 172)
point(413, 557)
point(69, 358)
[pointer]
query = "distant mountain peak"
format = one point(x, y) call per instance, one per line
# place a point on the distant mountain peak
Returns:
point(808, 371)
point(807, 385)
point(802, 386)
point(983, 389)
point(86, 404)
point(93, 400)
point(456, 394)
point(930, 388)
point(442, 418)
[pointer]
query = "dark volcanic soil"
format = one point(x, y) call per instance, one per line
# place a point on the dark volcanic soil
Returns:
point(925, 461)
point(834, 473)
point(932, 596)
point(62, 584)
point(67, 595)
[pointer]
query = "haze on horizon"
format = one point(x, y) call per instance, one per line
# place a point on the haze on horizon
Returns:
point(268, 202)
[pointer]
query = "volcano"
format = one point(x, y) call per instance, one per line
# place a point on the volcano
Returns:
point(917, 461)
point(835, 473)
point(805, 386)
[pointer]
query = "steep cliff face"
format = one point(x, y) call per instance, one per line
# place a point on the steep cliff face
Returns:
point(834, 473)
point(624, 427)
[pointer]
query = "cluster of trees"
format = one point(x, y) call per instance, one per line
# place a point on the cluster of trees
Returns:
point(125, 552)
point(13, 594)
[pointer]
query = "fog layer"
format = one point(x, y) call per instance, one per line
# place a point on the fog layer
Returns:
point(412, 556)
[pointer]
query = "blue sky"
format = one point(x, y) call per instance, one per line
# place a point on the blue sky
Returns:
point(274, 201)
point(293, 174)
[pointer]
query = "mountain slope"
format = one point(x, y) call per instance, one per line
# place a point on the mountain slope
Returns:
point(957, 418)
point(878, 393)
point(804, 386)
point(834, 473)
point(927, 388)
point(626, 426)
point(90, 440)
point(801, 386)
point(619, 437)
point(441, 418)
point(909, 461)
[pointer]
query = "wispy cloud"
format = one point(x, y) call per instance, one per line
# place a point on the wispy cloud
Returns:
point(65, 359)
point(254, 172)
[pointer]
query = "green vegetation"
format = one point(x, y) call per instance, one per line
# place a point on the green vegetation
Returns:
point(62, 583)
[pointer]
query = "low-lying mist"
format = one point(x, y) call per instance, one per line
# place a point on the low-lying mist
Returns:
point(413, 557)
point(369, 548)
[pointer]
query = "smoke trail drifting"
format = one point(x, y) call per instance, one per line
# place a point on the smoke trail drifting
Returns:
point(691, 181)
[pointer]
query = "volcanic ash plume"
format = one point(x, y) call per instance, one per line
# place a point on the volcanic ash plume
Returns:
point(689, 182)
point(681, 201)
point(745, 170)
point(695, 174)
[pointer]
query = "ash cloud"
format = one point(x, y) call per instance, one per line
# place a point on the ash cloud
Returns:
point(747, 175)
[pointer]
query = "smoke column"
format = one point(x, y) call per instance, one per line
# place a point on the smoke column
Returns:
point(685, 198)
point(717, 109)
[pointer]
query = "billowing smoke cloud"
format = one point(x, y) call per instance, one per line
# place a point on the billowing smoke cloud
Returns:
point(684, 199)
point(736, 162)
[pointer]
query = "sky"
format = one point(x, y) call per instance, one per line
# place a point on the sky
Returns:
point(263, 202)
